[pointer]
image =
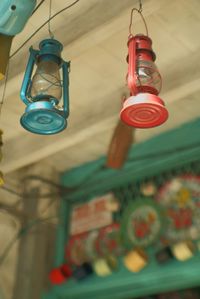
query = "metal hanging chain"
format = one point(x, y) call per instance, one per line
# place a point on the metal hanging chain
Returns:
point(139, 11)
point(49, 22)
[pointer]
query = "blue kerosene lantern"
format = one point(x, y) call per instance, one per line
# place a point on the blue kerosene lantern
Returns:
point(43, 91)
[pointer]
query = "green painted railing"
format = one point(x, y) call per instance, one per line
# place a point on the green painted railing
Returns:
point(160, 154)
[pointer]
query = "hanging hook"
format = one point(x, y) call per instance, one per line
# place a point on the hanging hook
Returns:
point(49, 24)
point(139, 11)
point(140, 6)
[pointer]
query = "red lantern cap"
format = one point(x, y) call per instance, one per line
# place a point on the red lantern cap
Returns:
point(60, 275)
point(143, 45)
point(144, 110)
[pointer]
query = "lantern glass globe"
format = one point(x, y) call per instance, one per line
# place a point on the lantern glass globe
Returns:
point(148, 77)
point(46, 83)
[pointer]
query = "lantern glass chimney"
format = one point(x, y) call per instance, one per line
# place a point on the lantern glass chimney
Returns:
point(46, 83)
point(148, 78)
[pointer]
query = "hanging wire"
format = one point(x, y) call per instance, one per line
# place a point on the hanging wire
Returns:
point(49, 22)
point(140, 6)
point(38, 6)
point(62, 190)
point(39, 28)
point(4, 88)
point(22, 232)
point(139, 11)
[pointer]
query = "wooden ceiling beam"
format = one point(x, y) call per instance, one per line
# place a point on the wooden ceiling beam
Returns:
point(29, 148)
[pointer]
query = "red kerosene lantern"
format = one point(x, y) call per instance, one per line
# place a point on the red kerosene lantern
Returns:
point(143, 109)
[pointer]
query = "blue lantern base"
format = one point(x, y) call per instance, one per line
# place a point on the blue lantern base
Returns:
point(42, 118)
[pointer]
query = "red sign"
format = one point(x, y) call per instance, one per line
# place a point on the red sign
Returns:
point(91, 215)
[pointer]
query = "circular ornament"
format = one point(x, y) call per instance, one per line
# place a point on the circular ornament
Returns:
point(75, 250)
point(180, 198)
point(141, 223)
point(90, 245)
point(109, 240)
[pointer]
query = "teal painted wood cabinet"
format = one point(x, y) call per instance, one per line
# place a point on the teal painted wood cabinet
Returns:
point(176, 149)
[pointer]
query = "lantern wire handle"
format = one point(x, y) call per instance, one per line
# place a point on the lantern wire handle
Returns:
point(49, 24)
point(139, 11)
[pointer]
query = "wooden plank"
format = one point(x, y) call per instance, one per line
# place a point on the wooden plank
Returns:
point(5, 46)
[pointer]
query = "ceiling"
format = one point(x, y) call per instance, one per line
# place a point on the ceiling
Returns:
point(94, 34)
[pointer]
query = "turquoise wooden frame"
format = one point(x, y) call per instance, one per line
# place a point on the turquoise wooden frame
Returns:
point(165, 152)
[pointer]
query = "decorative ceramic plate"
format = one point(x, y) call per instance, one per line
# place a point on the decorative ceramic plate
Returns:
point(75, 250)
point(180, 198)
point(90, 245)
point(109, 241)
point(141, 223)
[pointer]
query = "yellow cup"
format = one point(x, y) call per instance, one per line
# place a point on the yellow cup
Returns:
point(135, 260)
point(183, 250)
